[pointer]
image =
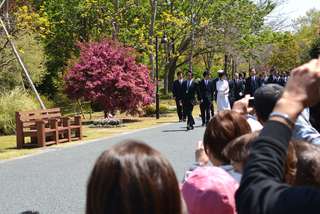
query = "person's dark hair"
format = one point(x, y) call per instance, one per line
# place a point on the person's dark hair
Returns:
point(206, 73)
point(238, 149)
point(190, 72)
point(132, 177)
point(272, 70)
point(308, 170)
point(224, 127)
point(265, 98)
point(178, 73)
point(220, 75)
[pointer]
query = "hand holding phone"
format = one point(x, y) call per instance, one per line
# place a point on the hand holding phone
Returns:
point(201, 156)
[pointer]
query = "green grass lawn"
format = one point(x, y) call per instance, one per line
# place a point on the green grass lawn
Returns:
point(8, 143)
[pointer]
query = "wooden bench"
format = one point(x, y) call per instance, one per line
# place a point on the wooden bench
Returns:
point(46, 127)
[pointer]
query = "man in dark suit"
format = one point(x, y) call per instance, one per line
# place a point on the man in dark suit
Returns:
point(214, 83)
point(206, 93)
point(178, 95)
point(252, 83)
point(281, 80)
point(263, 78)
point(272, 79)
point(237, 88)
point(190, 90)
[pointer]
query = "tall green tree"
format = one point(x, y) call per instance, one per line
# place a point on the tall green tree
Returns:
point(285, 54)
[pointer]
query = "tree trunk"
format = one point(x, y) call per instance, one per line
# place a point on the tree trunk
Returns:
point(226, 58)
point(208, 60)
point(192, 37)
point(232, 66)
point(235, 65)
point(165, 84)
point(153, 4)
point(114, 21)
point(172, 66)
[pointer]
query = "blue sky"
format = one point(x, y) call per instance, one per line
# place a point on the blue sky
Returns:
point(293, 9)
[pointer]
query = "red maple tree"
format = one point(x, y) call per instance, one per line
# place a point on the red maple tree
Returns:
point(107, 73)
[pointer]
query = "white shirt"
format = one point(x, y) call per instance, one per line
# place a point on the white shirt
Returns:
point(255, 125)
point(189, 83)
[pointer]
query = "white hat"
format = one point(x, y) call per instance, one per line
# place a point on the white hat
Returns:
point(220, 71)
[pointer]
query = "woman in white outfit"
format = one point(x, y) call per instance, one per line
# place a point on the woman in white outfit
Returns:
point(222, 92)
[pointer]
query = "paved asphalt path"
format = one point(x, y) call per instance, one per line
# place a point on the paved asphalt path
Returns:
point(55, 181)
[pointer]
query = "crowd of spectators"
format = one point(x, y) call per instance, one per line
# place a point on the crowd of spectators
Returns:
point(254, 159)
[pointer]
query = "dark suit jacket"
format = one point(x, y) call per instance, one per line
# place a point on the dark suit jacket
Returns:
point(236, 88)
point(272, 79)
point(214, 83)
point(177, 90)
point(190, 93)
point(206, 92)
point(252, 85)
point(281, 81)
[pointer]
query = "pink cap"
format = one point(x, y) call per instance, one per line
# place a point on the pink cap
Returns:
point(210, 190)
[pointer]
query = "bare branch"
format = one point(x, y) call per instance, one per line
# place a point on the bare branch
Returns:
point(6, 62)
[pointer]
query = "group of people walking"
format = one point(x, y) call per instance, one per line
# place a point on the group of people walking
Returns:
point(187, 93)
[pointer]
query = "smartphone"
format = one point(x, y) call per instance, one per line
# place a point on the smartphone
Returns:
point(251, 102)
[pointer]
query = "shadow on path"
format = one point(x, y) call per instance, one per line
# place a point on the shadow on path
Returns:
point(167, 122)
point(178, 130)
point(183, 129)
point(30, 212)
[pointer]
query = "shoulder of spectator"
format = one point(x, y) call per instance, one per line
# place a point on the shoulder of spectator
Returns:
point(303, 129)
point(194, 166)
point(264, 170)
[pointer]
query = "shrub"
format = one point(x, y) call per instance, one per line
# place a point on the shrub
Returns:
point(166, 96)
point(108, 73)
point(10, 102)
point(106, 123)
point(150, 110)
